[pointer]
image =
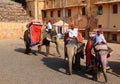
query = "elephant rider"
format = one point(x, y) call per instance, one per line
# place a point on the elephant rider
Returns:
point(99, 38)
point(73, 33)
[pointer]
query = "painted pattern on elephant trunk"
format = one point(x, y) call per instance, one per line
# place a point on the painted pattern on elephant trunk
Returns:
point(72, 49)
point(103, 57)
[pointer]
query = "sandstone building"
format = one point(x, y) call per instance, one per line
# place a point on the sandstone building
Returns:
point(70, 11)
point(108, 14)
point(87, 15)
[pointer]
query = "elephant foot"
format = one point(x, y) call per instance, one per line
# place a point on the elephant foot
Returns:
point(27, 53)
point(95, 79)
point(77, 69)
point(46, 55)
point(35, 53)
point(39, 52)
point(70, 73)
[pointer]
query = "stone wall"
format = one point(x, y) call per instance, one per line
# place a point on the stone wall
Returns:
point(12, 30)
point(11, 11)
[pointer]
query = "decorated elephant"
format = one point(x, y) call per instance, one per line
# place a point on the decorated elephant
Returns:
point(47, 38)
point(73, 51)
point(101, 53)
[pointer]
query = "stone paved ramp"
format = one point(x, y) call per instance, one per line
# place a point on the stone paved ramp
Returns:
point(19, 68)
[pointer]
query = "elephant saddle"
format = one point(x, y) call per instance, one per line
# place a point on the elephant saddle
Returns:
point(101, 47)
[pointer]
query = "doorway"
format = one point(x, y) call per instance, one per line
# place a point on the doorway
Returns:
point(59, 29)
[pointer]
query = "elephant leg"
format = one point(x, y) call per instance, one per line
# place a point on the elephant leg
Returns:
point(28, 49)
point(65, 53)
point(57, 48)
point(70, 65)
point(39, 49)
point(77, 61)
point(47, 50)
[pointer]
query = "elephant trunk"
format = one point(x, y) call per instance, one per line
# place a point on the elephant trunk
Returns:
point(70, 65)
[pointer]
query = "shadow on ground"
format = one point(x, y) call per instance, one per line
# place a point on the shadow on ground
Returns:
point(22, 50)
point(55, 64)
point(115, 66)
point(58, 63)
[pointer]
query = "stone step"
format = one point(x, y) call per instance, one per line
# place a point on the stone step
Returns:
point(12, 11)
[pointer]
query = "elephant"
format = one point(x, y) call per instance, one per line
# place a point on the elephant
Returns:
point(101, 52)
point(47, 38)
point(74, 49)
point(45, 41)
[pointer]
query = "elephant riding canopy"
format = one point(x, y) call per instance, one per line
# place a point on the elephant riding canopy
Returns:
point(35, 33)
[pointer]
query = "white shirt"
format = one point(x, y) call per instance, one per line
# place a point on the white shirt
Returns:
point(49, 25)
point(99, 38)
point(73, 33)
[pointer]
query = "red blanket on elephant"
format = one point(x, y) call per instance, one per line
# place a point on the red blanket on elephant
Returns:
point(80, 38)
point(35, 33)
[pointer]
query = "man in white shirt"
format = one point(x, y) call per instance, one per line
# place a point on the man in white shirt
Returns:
point(49, 26)
point(73, 32)
point(99, 38)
